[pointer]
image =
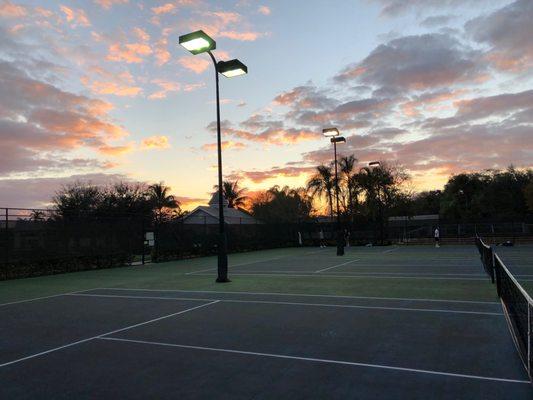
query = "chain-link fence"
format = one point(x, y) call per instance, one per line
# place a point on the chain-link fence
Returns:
point(42, 242)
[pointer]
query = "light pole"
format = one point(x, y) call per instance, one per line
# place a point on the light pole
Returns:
point(380, 208)
point(333, 134)
point(199, 42)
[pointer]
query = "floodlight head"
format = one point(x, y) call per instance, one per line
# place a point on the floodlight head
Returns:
point(330, 132)
point(338, 139)
point(374, 164)
point(232, 68)
point(197, 42)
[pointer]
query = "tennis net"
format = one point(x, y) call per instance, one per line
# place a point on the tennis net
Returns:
point(518, 309)
point(487, 258)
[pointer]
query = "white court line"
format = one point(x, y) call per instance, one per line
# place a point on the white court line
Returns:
point(357, 276)
point(236, 265)
point(388, 251)
point(357, 273)
point(291, 303)
point(102, 335)
point(303, 295)
point(319, 360)
point(335, 266)
point(45, 297)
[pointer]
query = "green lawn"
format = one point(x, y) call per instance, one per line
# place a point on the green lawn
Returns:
point(172, 275)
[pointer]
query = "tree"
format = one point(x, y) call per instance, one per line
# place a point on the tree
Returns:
point(322, 184)
point(77, 199)
point(37, 215)
point(349, 184)
point(234, 194)
point(283, 205)
point(163, 203)
point(528, 194)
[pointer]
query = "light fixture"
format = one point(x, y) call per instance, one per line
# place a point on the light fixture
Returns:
point(232, 68)
point(330, 132)
point(197, 42)
point(338, 139)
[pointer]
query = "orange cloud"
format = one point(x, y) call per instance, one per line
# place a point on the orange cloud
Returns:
point(141, 34)
point(113, 88)
point(226, 145)
point(166, 87)
point(115, 150)
point(155, 142)
point(10, 10)
point(243, 36)
point(195, 64)
point(129, 52)
point(264, 10)
point(75, 17)
point(164, 9)
point(107, 4)
point(162, 55)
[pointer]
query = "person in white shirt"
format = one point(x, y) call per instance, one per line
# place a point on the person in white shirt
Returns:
point(437, 236)
point(321, 237)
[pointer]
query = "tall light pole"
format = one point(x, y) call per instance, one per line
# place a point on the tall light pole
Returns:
point(377, 164)
point(333, 134)
point(199, 42)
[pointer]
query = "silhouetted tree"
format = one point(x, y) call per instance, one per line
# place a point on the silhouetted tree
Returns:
point(233, 193)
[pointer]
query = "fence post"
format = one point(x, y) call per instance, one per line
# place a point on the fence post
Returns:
point(529, 340)
point(7, 238)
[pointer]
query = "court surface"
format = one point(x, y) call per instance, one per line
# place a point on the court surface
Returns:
point(387, 323)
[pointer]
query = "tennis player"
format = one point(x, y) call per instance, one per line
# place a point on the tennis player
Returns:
point(437, 236)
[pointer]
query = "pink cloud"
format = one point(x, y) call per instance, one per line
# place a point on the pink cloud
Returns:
point(243, 36)
point(264, 10)
point(115, 150)
point(164, 9)
point(10, 10)
point(165, 88)
point(107, 4)
point(162, 55)
point(129, 52)
point(75, 17)
point(195, 64)
point(226, 145)
point(141, 34)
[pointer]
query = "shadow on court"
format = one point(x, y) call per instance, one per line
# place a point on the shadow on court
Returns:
point(122, 343)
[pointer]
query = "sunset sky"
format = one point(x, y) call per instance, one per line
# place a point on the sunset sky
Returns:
point(100, 91)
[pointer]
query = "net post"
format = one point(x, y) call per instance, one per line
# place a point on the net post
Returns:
point(529, 341)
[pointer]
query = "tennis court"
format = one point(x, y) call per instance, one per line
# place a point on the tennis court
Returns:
point(394, 322)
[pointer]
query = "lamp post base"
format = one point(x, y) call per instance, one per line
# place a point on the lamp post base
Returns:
point(340, 244)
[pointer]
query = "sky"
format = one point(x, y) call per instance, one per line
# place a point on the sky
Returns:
point(100, 91)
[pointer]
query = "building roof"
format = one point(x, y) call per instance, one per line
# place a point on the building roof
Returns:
point(231, 215)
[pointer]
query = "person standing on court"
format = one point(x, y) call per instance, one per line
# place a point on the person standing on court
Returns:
point(437, 236)
point(321, 237)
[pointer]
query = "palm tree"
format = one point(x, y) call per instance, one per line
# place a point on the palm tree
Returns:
point(162, 201)
point(323, 184)
point(349, 181)
point(233, 194)
point(37, 215)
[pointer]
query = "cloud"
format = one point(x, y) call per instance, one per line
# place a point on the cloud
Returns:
point(242, 36)
point(165, 88)
point(38, 192)
point(10, 10)
point(112, 84)
point(107, 4)
point(39, 122)
point(163, 9)
point(272, 173)
point(393, 8)
point(417, 63)
point(128, 52)
point(495, 106)
point(264, 10)
point(141, 34)
point(162, 54)
point(116, 150)
point(226, 145)
point(195, 64)
point(155, 142)
point(76, 17)
point(508, 31)
point(436, 20)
